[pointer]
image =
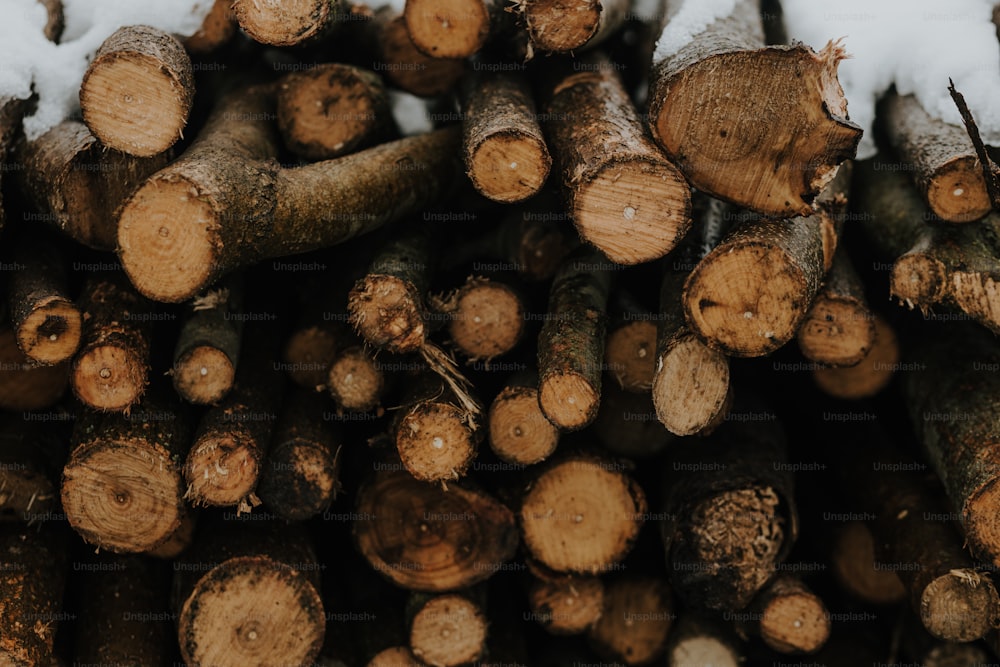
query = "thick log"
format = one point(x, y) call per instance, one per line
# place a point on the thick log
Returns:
point(288, 23)
point(447, 630)
point(635, 621)
point(402, 63)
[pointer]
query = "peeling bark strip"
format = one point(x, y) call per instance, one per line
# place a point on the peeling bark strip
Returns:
point(45, 319)
point(453, 29)
point(566, 605)
point(945, 166)
point(730, 515)
point(518, 430)
point(122, 487)
point(637, 615)
point(570, 25)
point(248, 209)
point(138, 91)
point(505, 153)
point(333, 110)
point(77, 186)
point(248, 593)
point(954, 265)
point(35, 566)
point(571, 343)
point(624, 195)
point(425, 538)
point(448, 630)
point(789, 616)
point(287, 23)
point(111, 370)
point(952, 399)
point(762, 127)
point(581, 515)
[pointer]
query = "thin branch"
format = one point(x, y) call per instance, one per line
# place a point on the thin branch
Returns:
point(989, 168)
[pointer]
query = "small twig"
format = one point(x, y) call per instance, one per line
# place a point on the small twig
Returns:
point(989, 168)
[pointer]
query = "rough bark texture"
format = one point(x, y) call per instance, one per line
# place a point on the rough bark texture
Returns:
point(24, 385)
point(571, 343)
point(762, 127)
point(571, 25)
point(942, 159)
point(487, 318)
point(122, 488)
point(111, 369)
point(300, 475)
point(506, 157)
point(332, 110)
point(12, 111)
point(730, 514)
point(625, 197)
point(582, 515)
point(869, 376)
point(79, 187)
point(255, 210)
point(789, 617)
point(402, 63)
point(566, 605)
point(287, 24)
point(519, 433)
point(138, 91)
point(635, 622)
point(425, 538)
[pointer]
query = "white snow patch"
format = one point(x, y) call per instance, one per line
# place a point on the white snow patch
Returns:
point(689, 21)
point(411, 113)
point(56, 70)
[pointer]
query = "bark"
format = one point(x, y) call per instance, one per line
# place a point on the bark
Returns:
point(24, 385)
point(216, 30)
point(31, 458)
point(871, 375)
point(562, 26)
point(625, 197)
point(776, 122)
point(789, 616)
point(635, 621)
point(287, 24)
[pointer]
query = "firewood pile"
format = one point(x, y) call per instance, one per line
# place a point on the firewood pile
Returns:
point(489, 333)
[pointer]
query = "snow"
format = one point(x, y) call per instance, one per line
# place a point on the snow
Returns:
point(690, 20)
point(916, 45)
point(56, 71)
point(410, 113)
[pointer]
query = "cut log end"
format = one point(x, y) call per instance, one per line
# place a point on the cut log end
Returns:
point(447, 28)
point(795, 623)
point(691, 388)
point(50, 334)
point(837, 332)
point(355, 381)
point(221, 470)
point(308, 353)
point(167, 257)
point(488, 320)
point(868, 377)
point(302, 480)
point(509, 167)
point(435, 442)
point(553, 27)
point(113, 501)
point(518, 431)
point(109, 378)
point(204, 375)
point(387, 312)
point(919, 279)
point(223, 622)
point(448, 631)
point(568, 400)
point(409, 69)
point(982, 526)
point(635, 621)
point(23, 385)
point(295, 22)
point(567, 606)
point(395, 656)
point(633, 211)
point(629, 355)
point(581, 517)
point(957, 191)
point(961, 605)
point(853, 561)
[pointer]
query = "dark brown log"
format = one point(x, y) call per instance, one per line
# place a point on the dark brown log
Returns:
point(216, 30)
point(46, 321)
point(519, 433)
point(943, 162)
point(697, 641)
point(582, 515)
point(310, 350)
point(571, 25)
point(918, 646)
point(248, 593)
point(402, 63)
point(208, 346)
point(631, 343)
point(138, 91)
point(300, 476)
point(447, 630)
point(357, 381)
point(32, 454)
point(79, 187)
point(332, 110)
point(23, 384)
point(179, 541)
point(854, 566)
point(250, 209)
point(635, 621)
point(12, 112)
point(571, 343)
point(111, 369)
point(627, 424)
point(566, 605)
point(122, 487)
point(505, 153)
point(789, 616)
point(778, 124)
point(287, 24)
point(486, 318)
point(625, 197)
point(871, 375)
point(425, 538)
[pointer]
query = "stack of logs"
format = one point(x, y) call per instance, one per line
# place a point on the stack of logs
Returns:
point(284, 384)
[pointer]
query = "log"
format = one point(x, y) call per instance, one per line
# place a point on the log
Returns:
point(31, 457)
point(627, 425)
point(111, 369)
point(216, 30)
point(403, 64)
point(179, 541)
point(943, 161)
point(310, 350)
point(77, 186)
point(208, 345)
point(425, 538)
point(868, 377)
point(395, 656)
point(447, 630)
point(631, 342)
point(12, 112)
point(122, 487)
point(505, 154)
point(625, 197)
point(486, 318)
point(357, 381)
point(635, 621)
point(23, 384)
point(248, 593)
point(789, 616)
point(565, 605)
point(581, 515)
point(839, 329)
point(561, 26)
point(571, 342)
point(518, 431)
point(778, 124)
point(696, 641)
point(855, 568)
point(730, 514)
point(251, 209)
point(287, 24)
point(127, 619)
point(35, 568)
point(47, 323)
point(453, 30)
point(300, 477)
point(332, 110)
point(138, 91)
